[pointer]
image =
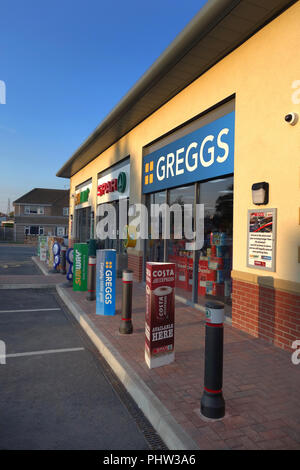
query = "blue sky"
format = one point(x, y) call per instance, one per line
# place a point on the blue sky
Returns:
point(66, 64)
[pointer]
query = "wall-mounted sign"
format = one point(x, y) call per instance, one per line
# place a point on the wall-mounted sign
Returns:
point(205, 153)
point(117, 184)
point(83, 196)
point(261, 239)
point(114, 185)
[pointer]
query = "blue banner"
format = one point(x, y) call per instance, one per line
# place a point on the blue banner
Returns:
point(205, 153)
point(106, 282)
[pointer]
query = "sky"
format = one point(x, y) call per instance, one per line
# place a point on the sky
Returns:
point(65, 65)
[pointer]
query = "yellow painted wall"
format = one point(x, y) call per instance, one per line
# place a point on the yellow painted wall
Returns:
point(260, 73)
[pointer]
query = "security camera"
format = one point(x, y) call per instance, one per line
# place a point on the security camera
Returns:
point(291, 118)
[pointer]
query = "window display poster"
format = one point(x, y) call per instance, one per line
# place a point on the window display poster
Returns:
point(261, 239)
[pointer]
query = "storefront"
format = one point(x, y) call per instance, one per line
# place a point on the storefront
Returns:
point(200, 154)
point(113, 189)
point(82, 217)
point(206, 126)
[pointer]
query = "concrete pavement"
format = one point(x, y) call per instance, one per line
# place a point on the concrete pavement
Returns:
point(261, 384)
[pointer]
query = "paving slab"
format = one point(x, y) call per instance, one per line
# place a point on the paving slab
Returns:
point(260, 385)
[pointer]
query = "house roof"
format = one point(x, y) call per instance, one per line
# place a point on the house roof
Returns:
point(44, 196)
point(218, 28)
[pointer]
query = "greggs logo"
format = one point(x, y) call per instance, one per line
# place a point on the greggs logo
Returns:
point(205, 153)
point(108, 288)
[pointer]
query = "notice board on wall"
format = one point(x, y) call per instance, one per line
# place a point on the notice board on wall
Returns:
point(261, 247)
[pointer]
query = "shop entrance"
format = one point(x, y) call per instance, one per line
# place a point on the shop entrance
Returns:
point(214, 260)
point(117, 242)
point(83, 224)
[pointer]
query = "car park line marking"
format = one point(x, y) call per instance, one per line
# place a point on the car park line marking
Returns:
point(30, 310)
point(47, 351)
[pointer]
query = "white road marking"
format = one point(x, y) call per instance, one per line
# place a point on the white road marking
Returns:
point(30, 310)
point(48, 351)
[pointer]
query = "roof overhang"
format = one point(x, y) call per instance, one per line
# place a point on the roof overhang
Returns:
point(219, 28)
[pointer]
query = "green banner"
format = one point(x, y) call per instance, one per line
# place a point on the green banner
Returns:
point(80, 266)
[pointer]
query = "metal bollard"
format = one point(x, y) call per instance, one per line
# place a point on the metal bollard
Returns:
point(91, 278)
point(63, 260)
point(126, 323)
point(212, 402)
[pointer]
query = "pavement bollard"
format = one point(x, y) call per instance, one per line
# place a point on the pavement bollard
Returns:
point(63, 260)
point(91, 286)
point(126, 323)
point(212, 401)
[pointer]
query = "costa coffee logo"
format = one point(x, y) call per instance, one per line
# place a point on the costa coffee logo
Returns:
point(116, 184)
point(163, 273)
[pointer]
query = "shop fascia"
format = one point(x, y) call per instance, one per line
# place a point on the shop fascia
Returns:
point(203, 154)
point(82, 196)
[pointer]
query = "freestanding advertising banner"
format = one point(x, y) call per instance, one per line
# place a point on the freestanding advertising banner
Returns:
point(106, 282)
point(43, 243)
point(80, 264)
point(160, 304)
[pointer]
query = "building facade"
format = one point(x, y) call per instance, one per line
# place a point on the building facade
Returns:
point(209, 125)
point(41, 212)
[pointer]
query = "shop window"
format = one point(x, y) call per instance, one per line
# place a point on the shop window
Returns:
point(182, 200)
point(83, 224)
point(60, 231)
point(215, 260)
point(155, 247)
point(116, 243)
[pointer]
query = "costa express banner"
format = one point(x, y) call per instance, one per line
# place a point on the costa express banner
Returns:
point(205, 153)
point(160, 305)
point(106, 282)
point(80, 266)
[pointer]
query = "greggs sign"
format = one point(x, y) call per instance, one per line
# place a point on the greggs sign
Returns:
point(205, 153)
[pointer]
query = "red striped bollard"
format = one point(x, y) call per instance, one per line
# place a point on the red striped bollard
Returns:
point(126, 323)
point(91, 278)
point(212, 402)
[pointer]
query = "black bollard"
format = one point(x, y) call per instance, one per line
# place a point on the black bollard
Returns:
point(63, 260)
point(91, 278)
point(126, 323)
point(212, 402)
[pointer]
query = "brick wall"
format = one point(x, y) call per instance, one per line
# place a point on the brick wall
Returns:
point(266, 313)
point(136, 264)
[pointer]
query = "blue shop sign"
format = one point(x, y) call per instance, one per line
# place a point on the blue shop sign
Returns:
point(205, 153)
point(106, 282)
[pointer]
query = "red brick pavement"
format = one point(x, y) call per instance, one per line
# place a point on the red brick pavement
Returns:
point(261, 385)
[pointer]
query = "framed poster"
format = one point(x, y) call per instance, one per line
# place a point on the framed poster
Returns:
point(261, 245)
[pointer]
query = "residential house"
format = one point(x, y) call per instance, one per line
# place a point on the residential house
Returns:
point(41, 211)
